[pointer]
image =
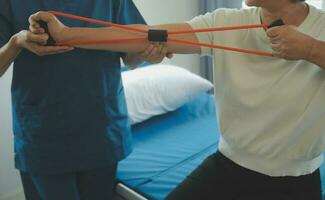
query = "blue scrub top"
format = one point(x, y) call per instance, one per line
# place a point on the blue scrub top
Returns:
point(69, 110)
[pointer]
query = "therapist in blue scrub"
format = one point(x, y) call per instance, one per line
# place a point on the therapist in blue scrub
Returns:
point(69, 114)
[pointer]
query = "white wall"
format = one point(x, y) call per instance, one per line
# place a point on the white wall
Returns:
point(9, 179)
point(172, 11)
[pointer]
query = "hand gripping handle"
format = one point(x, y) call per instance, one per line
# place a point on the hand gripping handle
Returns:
point(50, 41)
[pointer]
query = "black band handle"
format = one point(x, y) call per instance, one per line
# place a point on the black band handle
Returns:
point(50, 41)
point(157, 35)
point(276, 23)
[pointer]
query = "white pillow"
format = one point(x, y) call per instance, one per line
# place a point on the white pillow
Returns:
point(158, 89)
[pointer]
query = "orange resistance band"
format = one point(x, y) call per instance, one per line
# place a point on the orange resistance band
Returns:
point(114, 40)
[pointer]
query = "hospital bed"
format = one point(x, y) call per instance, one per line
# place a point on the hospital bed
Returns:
point(167, 148)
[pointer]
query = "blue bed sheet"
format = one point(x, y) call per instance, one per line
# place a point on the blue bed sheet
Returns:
point(166, 142)
point(169, 147)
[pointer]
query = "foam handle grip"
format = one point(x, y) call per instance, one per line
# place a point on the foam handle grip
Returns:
point(157, 35)
point(50, 41)
point(276, 23)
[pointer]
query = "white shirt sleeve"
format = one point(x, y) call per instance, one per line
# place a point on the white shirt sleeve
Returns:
point(321, 36)
point(218, 18)
point(204, 21)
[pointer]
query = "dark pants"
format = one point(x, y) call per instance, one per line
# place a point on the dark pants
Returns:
point(218, 178)
point(97, 184)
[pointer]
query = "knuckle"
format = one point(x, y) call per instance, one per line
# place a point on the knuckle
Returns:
point(37, 13)
point(28, 36)
point(37, 51)
point(45, 37)
point(23, 32)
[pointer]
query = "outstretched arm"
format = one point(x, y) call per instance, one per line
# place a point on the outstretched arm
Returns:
point(61, 32)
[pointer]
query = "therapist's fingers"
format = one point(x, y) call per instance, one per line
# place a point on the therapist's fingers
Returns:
point(55, 49)
point(47, 50)
point(36, 30)
point(155, 53)
point(34, 26)
point(33, 22)
point(160, 47)
point(156, 50)
point(37, 38)
point(147, 52)
point(164, 51)
point(41, 15)
point(59, 51)
point(35, 43)
point(159, 53)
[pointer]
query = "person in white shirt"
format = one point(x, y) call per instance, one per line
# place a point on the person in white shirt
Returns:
point(271, 111)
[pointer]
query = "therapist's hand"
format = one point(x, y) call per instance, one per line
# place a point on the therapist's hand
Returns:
point(56, 28)
point(35, 43)
point(155, 53)
point(289, 43)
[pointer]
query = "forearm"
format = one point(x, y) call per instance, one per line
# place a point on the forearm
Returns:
point(8, 53)
point(132, 46)
point(317, 54)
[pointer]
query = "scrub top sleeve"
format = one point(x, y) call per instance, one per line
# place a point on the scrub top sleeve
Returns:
point(128, 13)
point(202, 22)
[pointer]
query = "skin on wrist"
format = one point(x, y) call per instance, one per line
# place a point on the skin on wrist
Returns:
point(15, 42)
point(65, 34)
point(314, 50)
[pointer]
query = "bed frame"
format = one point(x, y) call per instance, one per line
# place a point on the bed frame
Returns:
point(125, 193)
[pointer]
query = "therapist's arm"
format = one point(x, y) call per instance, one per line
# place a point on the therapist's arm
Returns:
point(62, 33)
point(32, 42)
point(7, 54)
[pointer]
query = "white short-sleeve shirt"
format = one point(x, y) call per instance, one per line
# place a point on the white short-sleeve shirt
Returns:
point(271, 111)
